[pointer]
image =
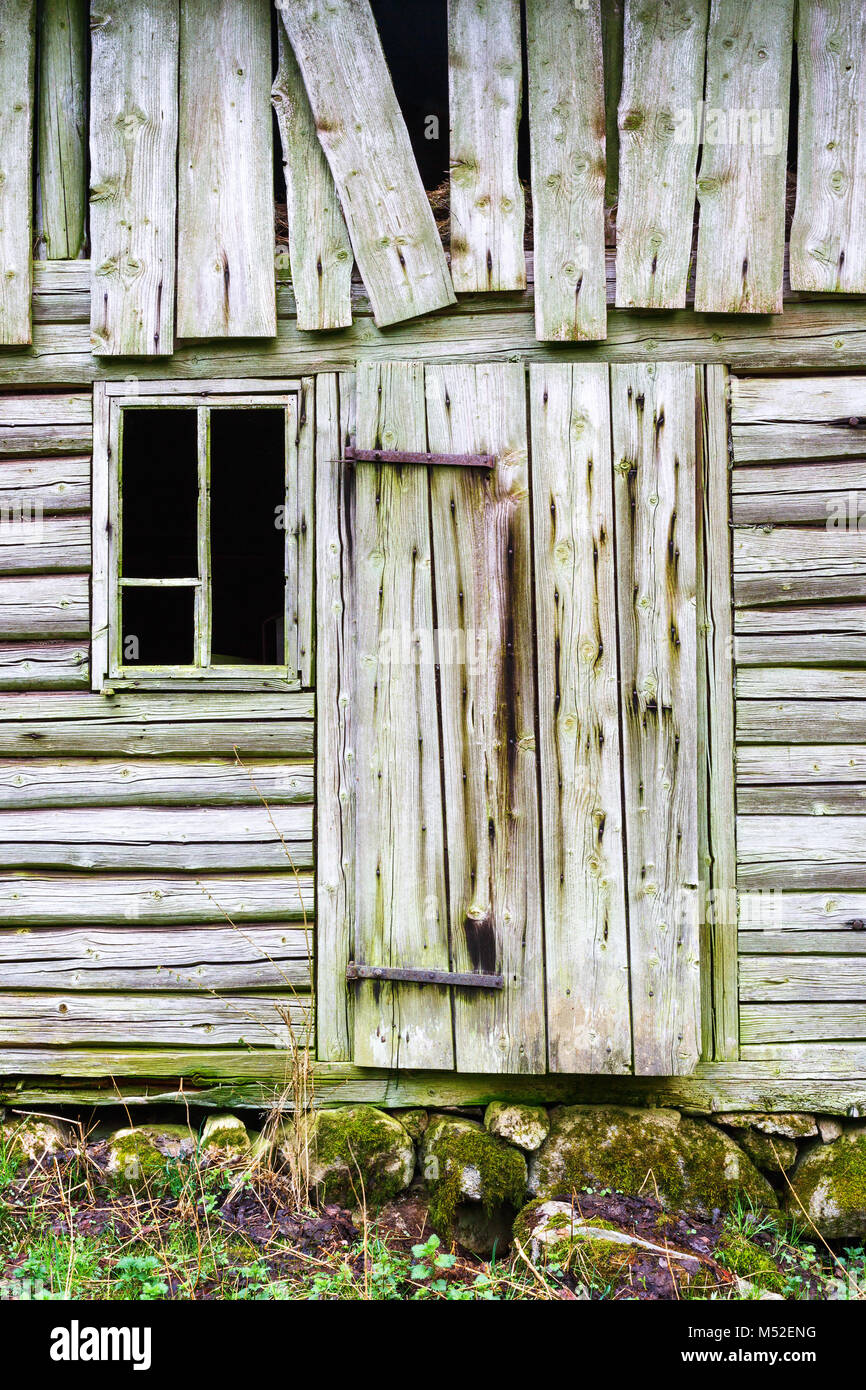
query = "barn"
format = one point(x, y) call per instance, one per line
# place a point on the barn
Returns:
point(432, 593)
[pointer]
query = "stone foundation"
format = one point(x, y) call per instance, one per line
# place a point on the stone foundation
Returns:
point(481, 1167)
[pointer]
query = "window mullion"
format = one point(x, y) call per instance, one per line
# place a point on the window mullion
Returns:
point(203, 594)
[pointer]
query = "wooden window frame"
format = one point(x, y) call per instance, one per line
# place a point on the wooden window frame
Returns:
point(111, 400)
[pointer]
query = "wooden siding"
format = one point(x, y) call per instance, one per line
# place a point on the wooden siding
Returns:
point(133, 149)
point(61, 207)
point(18, 87)
point(801, 718)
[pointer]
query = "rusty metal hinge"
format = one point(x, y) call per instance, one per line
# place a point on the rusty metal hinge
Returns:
point(424, 977)
point(353, 455)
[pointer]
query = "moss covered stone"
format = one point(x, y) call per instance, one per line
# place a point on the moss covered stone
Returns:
point(769, 1152)
point(829, 1184)
point(28, 1139)
point(224, 1136)
point(465, 1167)
point(414, 1122)
point(527, 1126)
point(688, 1163)
point(353, 1155)
point(138, 1157)
point(787, 1124)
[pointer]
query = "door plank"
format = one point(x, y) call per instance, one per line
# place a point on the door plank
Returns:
point(133, 149)
point(401, 905)
point(483, 575)
point(226, 285)
point(366, 143)
point(335, 721)
point(567, 153)
point(828, 244)
point(484, 93)
point(319, 248)
point(741, 184)
point(17, 83)
point(659, 131)
point(586, 936)
point(653, 410)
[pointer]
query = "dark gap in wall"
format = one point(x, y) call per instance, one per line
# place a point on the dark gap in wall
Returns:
point(247, 497)
point(159, 494)
point(158, 626)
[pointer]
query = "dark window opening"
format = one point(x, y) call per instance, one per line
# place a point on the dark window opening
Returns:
point(159, 484)
point(158, 626)
point(247, 505)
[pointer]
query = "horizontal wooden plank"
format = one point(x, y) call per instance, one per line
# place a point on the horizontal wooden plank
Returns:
point(811, 336)
point(807, 912)
point(829, 1079)
point(829, 494)
point(841, 619)
point(38, 410)
point(824, 1059)
point(35, 782)
point(818, 944)
point(797, 650)
point(166, 707)
point(802, 978)
point(133, 737)
point(813, 762)
point(768, 1023)
point(58, 899)
point(45, 544)
point(206, 958)
point(54, 484)
point(768, 400)
point(789, 563)
point(44, 605)
point(801, 851)
point(76, 1018)
point(793, 439)
point(236, 837)
point(825, 799)
point(801, 721)
point(801, 682)
point(44, 665)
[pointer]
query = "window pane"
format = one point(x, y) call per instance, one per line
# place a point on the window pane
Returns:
point(158, 627)
point(247, 496)
point(159, 494)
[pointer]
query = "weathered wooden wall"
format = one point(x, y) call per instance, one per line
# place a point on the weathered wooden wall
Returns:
point(153, 889)
point(799, 514)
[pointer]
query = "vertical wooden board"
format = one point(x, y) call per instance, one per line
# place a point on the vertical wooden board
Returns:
point(484, 95)
point(62, 150)
point(226, 282)
point(306, 426)
point(335, 725)
point(653, 410)
point(366, 143)
point(741, 184)
point(828, 235)
point(17, 64)
point(585, 929)
point(401, 912)
point(133, 148)
point(100, 582)
point(319, 247)
point(567, 151)
point(719, 874)
point(483, 583)
point(659, 130)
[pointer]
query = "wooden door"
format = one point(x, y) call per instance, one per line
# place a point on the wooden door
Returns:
point(508, 734)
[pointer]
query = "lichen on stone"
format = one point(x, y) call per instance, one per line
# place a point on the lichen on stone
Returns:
point(687, 1163)
point(527, 1126)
